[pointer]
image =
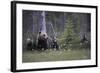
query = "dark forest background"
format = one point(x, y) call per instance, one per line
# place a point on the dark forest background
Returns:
point(71, 29)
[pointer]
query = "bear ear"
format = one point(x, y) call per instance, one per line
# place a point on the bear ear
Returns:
point(44, 33)
point(39, 32)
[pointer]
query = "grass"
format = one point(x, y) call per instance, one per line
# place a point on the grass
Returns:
point(54, 55)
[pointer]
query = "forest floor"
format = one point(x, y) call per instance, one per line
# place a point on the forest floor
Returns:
point(56, 55)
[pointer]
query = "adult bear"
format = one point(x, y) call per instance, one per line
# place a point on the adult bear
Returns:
point(42, 41)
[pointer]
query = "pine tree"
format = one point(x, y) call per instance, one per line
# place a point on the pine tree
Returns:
point(69, 35)
point(69, 31)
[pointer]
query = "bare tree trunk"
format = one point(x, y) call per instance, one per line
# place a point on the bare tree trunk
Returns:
point(42, 23)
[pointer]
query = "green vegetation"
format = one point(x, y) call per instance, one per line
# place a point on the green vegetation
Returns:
point(60, 55)
point(70, 36)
